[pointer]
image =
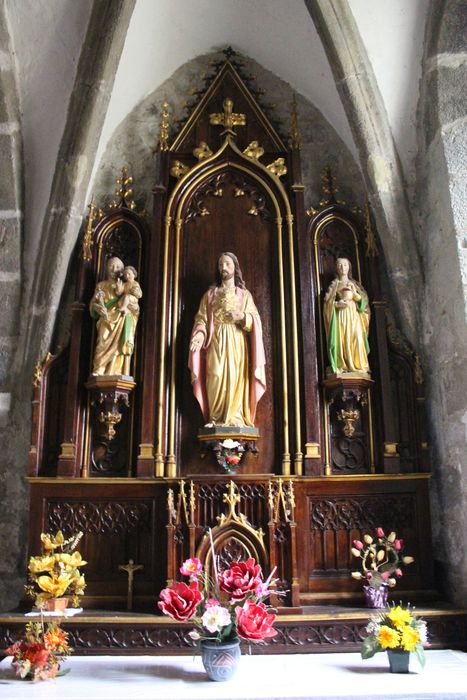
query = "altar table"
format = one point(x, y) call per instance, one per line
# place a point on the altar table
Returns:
point(276, 677)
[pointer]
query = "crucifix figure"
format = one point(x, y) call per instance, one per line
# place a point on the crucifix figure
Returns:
point(130, 568)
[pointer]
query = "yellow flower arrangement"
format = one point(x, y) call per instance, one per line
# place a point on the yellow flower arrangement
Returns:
point(395, 628)
point(56, 571)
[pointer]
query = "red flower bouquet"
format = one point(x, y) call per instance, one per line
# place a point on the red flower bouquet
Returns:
point(223, 609)
point(39, 654)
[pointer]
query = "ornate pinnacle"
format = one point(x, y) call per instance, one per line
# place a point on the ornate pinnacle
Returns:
point(163, 144)
point(94, 214)
point(124, 191)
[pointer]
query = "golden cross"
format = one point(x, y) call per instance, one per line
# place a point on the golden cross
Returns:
point(228, 118)
point(130, 568)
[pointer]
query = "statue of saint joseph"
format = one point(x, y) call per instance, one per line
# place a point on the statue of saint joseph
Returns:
point(227, 360)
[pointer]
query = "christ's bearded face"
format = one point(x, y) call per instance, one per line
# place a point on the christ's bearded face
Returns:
point(226, 268)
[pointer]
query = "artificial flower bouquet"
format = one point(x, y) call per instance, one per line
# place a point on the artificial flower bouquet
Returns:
point(39, 654)
point(56, 571)
point(397, 629)
point(381, 559)
point(223, 609)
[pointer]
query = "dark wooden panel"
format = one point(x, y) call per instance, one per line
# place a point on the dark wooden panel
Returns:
point(253, 239)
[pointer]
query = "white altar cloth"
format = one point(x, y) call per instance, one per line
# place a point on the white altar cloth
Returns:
point(275, 677)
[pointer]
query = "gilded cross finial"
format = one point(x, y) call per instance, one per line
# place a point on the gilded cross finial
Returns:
point(232, 497)
point(295, 139)
point(228, 119)
point(163, 144)
point(130, 568)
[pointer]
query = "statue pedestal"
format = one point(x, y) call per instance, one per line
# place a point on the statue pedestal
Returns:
point(228, 443)
point(110, 397)
point(347, 400)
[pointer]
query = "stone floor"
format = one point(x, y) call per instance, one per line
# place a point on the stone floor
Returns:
point(296, 676)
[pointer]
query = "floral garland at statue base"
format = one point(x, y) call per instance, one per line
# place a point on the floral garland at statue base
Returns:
point(396, 630)
point(39, 654)
point(224, 609)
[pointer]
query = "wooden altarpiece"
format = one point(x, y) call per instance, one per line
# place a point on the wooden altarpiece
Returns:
point(122, 462)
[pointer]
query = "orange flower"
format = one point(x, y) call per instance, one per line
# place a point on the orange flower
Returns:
point(56, 637)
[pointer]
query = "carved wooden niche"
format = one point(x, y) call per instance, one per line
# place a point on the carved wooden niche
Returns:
point(224, 197)
point(114, 402)
point(346, 401)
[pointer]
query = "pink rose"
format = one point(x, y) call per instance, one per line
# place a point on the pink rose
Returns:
point(398, 544)
point(357, 544)
point(398, 573)
point(232, 459)
point(180, 601)
point(254, 622)
point(368, 575)
point(380, 532)
point(212, 601)
point(386, 575)
point(240, 579)
point(191, 567)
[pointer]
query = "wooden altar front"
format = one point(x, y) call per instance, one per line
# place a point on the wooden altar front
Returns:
point(120, 459)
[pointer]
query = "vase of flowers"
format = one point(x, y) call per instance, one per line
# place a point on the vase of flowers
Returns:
point(399, 632)
point(39, 654)
point(54, 576)
point(381, 560)
point(224, 610)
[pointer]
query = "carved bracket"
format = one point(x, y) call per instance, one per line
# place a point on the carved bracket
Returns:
point(110, 398)
point(228, 447)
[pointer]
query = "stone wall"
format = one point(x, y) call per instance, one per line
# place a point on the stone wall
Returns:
point(442, 233)
point(12, 487)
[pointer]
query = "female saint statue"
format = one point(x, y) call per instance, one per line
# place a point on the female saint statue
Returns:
point(346, 319)
point(115, 307)
point(227, 359)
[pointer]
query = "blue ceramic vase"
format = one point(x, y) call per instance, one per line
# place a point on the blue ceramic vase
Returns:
point(398, 660)
point(220, 660)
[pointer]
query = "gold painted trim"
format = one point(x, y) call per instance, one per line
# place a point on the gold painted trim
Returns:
point(170, 463)
point(312, 450)
point(68, 450)
point(390, 449)
point(247, 478)
point(327, 437)
point(146, 450)
point(372, 446)
point(298, 431)
point(159, 458)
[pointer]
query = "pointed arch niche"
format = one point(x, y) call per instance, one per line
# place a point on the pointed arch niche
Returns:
point(230, 200)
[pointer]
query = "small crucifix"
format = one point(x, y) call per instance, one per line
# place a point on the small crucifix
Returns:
point(130, 568)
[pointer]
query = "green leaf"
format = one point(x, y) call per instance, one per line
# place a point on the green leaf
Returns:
point(369, 648)
point(420, 653)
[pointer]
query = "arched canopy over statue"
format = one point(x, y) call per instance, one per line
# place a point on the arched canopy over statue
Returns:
point(227, 359)
point(116, 309)
point(347, 319)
